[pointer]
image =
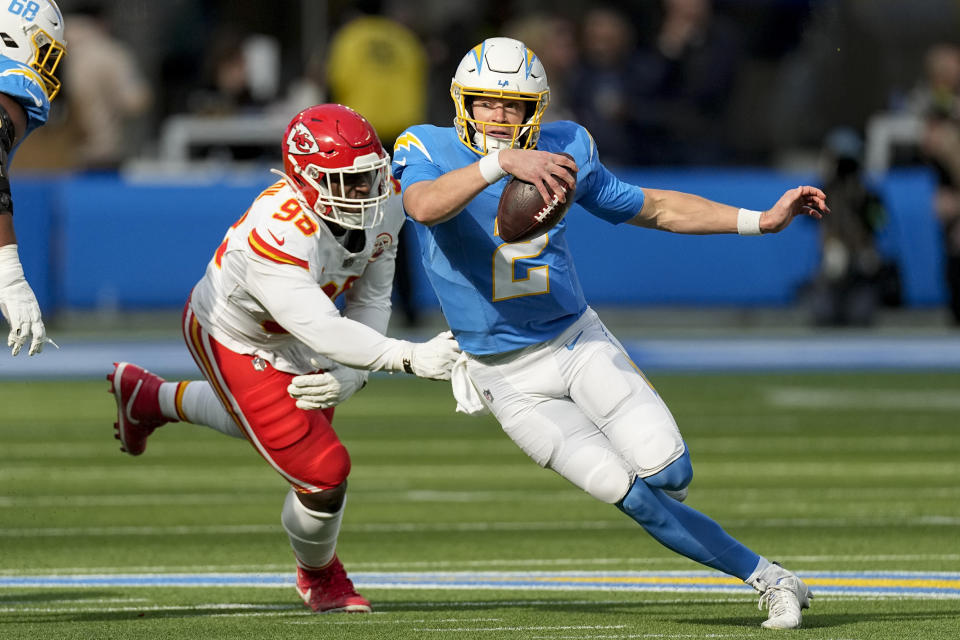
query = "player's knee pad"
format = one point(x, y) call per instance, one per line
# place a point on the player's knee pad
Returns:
point(647, 434)
point(602, 387)
point(599, 472)
point(538, 437)
point(327, 467)
point(675, 476)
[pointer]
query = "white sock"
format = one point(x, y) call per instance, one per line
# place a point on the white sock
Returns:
point(194, 401)
point(766, 574)
point(313, 534)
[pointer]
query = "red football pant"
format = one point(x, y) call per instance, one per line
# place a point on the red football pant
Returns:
point(300, 445)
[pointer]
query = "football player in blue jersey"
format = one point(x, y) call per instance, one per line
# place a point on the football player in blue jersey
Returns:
point(31, 47)
point(535, 354)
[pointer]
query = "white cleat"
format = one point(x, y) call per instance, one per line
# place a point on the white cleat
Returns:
point(785, 599)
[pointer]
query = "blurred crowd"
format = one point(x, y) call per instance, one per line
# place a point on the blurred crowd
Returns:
point(785, 83)
point(659, 82)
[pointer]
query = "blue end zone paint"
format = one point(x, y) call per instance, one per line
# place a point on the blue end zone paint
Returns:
point(840, 353)
point(865, 584)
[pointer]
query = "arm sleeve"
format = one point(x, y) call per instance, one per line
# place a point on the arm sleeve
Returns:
point(418, 172)
point(602, 193)
point(610, 198)
point(295, 301)
point(368, 300)
point(412, 162)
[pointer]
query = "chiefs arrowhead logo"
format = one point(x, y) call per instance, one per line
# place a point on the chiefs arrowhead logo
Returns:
point(300, 141)
point(380, 245)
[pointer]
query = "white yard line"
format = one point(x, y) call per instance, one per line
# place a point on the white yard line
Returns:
point(905, 520)
point(147, 499)
point(184, 607)
point(752, 496)
point(820, 399)
point(412, 565)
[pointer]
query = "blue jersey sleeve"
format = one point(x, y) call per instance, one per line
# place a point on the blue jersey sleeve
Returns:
point(412, 162)
point(598, 191)
point(606, 196)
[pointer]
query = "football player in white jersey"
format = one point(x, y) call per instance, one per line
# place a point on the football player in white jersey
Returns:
point(264, 314)
point(31, 47)
point(535, 354)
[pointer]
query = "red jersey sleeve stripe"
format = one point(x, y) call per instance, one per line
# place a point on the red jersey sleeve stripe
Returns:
point(265, 250)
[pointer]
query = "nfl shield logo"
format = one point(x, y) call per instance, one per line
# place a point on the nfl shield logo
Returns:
point(488, 395)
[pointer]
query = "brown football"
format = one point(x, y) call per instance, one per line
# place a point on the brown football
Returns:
point(523, 215)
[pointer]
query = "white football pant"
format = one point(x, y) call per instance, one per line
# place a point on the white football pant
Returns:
point(578, 405)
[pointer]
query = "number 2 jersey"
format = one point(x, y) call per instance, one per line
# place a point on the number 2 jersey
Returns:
point(270, 288)
point(496, 296)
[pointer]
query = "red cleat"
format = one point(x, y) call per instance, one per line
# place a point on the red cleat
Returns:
point(137, 392)
point(329, 590)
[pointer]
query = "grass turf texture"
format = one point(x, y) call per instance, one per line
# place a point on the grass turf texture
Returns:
point(824, 472)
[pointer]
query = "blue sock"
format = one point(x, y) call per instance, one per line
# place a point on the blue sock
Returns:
point(687, 531)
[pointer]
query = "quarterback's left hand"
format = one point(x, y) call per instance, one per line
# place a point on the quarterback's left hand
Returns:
point(801, 201)
point(327, 389)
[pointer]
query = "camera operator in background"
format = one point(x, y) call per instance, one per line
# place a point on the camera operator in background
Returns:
point(847, 287)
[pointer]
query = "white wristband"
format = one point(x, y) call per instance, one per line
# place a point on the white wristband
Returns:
point(748, 222)
point(490, 167)
point(10, 270)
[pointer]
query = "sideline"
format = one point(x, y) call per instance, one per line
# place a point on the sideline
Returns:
point(169, 357)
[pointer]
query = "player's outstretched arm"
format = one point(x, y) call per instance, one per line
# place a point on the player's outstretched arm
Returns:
point(687, 213)
point(18, 304)
point(299, 305)
point(433, 360)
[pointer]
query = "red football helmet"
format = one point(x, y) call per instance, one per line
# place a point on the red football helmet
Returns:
point(335, 162)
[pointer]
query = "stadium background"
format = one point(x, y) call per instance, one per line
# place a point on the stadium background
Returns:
point(833, 448)
point(115, 246)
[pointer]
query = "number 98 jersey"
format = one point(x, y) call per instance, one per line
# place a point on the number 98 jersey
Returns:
point(278, 272)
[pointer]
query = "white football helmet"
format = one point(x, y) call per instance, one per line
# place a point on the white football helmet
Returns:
point(31, 32)
point(499, 68)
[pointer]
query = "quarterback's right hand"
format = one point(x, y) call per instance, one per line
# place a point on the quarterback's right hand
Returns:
point(433, 359)
point(19, 305)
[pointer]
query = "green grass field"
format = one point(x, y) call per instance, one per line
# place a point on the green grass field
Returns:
point(823, 472)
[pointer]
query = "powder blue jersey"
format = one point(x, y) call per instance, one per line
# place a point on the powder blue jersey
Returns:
point(22, 83)
point(498, 296)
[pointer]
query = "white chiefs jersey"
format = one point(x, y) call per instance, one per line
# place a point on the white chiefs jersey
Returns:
point(270, 288)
